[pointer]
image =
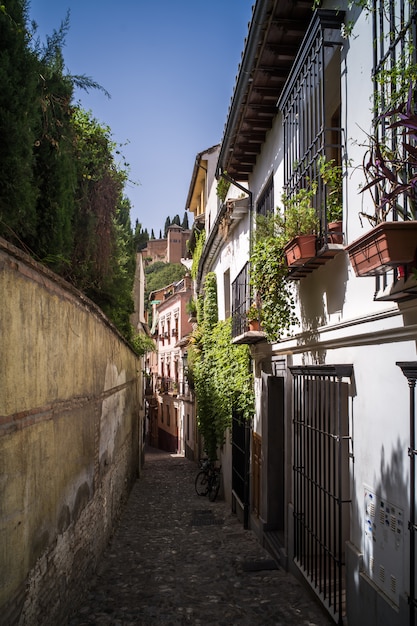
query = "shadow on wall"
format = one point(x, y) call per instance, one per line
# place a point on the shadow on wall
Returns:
point(381, 520)
point(321, 294)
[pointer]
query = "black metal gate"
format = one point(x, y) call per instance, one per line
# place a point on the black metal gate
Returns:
point(240, 464)
point(410, 372)
point(321, 446)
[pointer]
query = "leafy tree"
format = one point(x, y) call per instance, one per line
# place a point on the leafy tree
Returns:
point(20, 117)
point(115, 295)
point(55, 166)
point(176, 220)
point(61, 193)
point(152, 234)
point(99, 185)
point(161, 274)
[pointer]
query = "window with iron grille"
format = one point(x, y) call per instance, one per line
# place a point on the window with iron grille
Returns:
point(310, 105)
point(265, 204)
point(240, 301)
point(394, 71)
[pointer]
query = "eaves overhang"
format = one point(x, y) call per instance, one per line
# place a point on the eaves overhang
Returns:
point(198, 178)
point(275, 34)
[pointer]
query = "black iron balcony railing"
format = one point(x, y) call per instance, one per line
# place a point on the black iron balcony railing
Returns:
point(173, 386)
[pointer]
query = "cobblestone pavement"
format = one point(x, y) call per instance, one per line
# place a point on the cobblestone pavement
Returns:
point(178, 559)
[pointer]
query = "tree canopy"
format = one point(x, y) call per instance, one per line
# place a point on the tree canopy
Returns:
point(61, 192)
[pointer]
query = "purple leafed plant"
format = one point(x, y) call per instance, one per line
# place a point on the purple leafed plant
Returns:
point(390, 164)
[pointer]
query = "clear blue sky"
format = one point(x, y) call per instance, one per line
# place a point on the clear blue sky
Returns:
point(170, 68)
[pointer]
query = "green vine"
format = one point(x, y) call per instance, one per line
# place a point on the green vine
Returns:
point(142, 344)
point(268, 277)
point(198, 250)
point(221, 373)
point(222, 188)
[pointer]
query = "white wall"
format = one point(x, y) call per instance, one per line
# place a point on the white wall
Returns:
point(342, 324)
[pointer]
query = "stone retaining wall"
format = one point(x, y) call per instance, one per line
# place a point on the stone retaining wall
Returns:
point(70, 439)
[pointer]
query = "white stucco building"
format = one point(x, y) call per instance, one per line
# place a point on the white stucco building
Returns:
point(330, 462)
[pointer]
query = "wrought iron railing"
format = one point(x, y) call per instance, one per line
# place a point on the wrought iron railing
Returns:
point(174, 386)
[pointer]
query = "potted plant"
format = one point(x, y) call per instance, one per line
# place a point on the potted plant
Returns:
point(391, 177)
point(331, 175)
point(253, 317)
point(300, 226)
point(222, 188)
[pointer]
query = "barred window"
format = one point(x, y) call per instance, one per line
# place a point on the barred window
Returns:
point(310, 105)
point(240, 301)
point(395, 55)
point(394, 72)
point(265, 204)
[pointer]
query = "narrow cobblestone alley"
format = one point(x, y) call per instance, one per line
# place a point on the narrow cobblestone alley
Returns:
point(177, 558)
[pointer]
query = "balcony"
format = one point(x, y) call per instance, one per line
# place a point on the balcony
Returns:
point(245, 331)
point(167, 385)
point(321, 250)
point(234, 211)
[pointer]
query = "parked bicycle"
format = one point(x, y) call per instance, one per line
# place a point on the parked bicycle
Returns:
point(207, 481)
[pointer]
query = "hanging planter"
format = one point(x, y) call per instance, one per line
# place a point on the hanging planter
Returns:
point(388, 245)
point(300, 250)
point(390, 169)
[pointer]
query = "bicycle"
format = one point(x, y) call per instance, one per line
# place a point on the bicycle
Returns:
point(207, 481)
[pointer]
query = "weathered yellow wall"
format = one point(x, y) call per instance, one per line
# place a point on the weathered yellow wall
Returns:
point(69, 438)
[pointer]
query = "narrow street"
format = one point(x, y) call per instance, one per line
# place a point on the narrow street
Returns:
point(177, 558)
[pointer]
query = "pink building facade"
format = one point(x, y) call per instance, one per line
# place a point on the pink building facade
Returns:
point(172, 415)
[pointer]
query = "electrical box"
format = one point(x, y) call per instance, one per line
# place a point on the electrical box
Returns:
point(384, 544)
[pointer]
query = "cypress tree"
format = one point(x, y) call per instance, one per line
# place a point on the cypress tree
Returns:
point(167, 225)
point(185, 224)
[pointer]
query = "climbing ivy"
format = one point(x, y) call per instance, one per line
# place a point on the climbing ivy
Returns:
point(268, 278)
point(221, 373)
point(199, 245)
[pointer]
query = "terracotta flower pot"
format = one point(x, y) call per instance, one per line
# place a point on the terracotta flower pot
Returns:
point(335, 232)
point(388, 245)
point(254, 325)
point(300, 250)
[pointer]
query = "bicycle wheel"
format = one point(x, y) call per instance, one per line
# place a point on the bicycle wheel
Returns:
point(201, 484)
point(214, 486)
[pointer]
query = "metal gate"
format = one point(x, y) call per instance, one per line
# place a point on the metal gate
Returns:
point(409, 370)
point(240, 464)
point(321, 446)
